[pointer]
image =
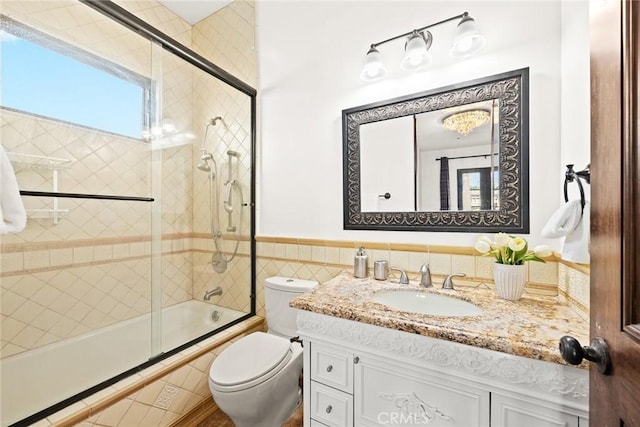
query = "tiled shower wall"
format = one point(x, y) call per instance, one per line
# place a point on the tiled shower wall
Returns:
point(109, 261)
point(92, 267)
point(112, 259)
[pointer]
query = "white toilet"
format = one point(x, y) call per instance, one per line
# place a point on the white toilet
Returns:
point(255, 380)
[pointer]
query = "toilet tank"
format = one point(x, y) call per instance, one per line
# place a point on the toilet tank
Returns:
point(278, 291)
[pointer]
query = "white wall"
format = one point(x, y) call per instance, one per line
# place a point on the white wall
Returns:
point(575, 96)
point(309, 57)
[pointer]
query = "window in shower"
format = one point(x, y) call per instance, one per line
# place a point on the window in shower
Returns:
point(47, 77)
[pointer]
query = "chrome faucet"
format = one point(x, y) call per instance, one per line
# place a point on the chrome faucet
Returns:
point(404, 280)
point(425, 276)
point(208, 294)
point(448, 282)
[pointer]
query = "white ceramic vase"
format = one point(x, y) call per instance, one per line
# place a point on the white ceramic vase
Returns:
point(509, 280)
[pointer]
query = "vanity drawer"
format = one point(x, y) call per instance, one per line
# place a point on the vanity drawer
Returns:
point(332, 366)
point(331, 407)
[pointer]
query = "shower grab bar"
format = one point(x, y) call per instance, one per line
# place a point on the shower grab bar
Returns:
point(84, 196)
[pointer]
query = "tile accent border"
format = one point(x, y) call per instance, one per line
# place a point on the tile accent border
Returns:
point(549, 279)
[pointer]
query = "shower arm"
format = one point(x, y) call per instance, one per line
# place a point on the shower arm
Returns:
point(211, 122)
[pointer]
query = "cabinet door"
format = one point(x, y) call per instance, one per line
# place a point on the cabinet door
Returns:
point(391, 393)
point(332, 366)
point(509, 411)
point(331, 407)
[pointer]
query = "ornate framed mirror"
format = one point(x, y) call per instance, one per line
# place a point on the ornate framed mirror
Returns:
point(454, 158)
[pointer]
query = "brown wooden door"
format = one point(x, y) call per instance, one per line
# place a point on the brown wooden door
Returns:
point(615, 226)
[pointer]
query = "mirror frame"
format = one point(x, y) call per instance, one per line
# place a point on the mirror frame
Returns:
point(512, 90)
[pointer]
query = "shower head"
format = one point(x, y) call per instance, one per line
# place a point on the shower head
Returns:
point(204, 161)
point(213, 121)
point(204, 166)
point(233, 153)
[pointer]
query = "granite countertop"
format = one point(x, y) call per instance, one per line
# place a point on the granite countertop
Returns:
point(530, 327)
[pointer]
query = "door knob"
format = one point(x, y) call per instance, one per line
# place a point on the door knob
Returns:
point(598, 352)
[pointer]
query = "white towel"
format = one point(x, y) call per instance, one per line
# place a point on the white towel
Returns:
point(572, 223)
point(576, 244)
point(13, 216)
point(564, 220)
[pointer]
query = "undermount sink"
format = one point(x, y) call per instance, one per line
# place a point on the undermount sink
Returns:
point(426, 303)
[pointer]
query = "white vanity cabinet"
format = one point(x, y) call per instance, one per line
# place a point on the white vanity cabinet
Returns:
point(357, 374)
point(390, 393)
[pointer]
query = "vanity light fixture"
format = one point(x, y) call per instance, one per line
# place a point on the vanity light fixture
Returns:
point(465, 122)
point(467, 41)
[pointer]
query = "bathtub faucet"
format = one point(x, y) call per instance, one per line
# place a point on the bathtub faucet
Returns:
point(209, 294)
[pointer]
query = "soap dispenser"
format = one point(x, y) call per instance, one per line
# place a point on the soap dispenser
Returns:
point(360, 264)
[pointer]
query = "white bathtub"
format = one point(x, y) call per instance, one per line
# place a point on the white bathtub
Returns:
point(36, 379)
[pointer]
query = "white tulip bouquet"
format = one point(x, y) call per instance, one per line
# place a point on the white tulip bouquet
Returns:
point(511, 250)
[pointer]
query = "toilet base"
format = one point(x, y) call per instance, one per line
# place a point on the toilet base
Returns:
point(277, 414)
point(268, 404)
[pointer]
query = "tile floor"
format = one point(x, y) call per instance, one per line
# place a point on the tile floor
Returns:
point(220, 419)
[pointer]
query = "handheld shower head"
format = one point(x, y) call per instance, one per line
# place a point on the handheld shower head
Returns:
point(204, 161)
point(204, 166)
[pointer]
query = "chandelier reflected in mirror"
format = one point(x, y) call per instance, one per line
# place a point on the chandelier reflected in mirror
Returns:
point(465, 122)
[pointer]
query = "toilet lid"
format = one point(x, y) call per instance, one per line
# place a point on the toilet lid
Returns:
point(249, 361)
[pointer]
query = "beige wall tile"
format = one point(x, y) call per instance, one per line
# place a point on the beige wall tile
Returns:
point(347, 256)
point(379, 255)
point(61, 256)
point(11, 262)
point(332, 255)
point(291, 252)
point(440, 263)
point(416, 259)
point(543, 272)
point(464, 264)
point(134, 415)
point(484, 267)
point(318, 254)
point(280, 250)
point(82, 255)
point(103, 252)
point(36, 259)
point(399, 259)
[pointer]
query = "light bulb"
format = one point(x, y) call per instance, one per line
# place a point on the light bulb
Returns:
point(373, 68)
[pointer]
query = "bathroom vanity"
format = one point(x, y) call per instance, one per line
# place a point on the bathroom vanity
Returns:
point(367, 364)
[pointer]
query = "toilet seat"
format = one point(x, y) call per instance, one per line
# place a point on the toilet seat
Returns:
point(249, 361)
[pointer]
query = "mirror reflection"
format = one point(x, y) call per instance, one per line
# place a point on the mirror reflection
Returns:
point(423, 171)
point(454, 158)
